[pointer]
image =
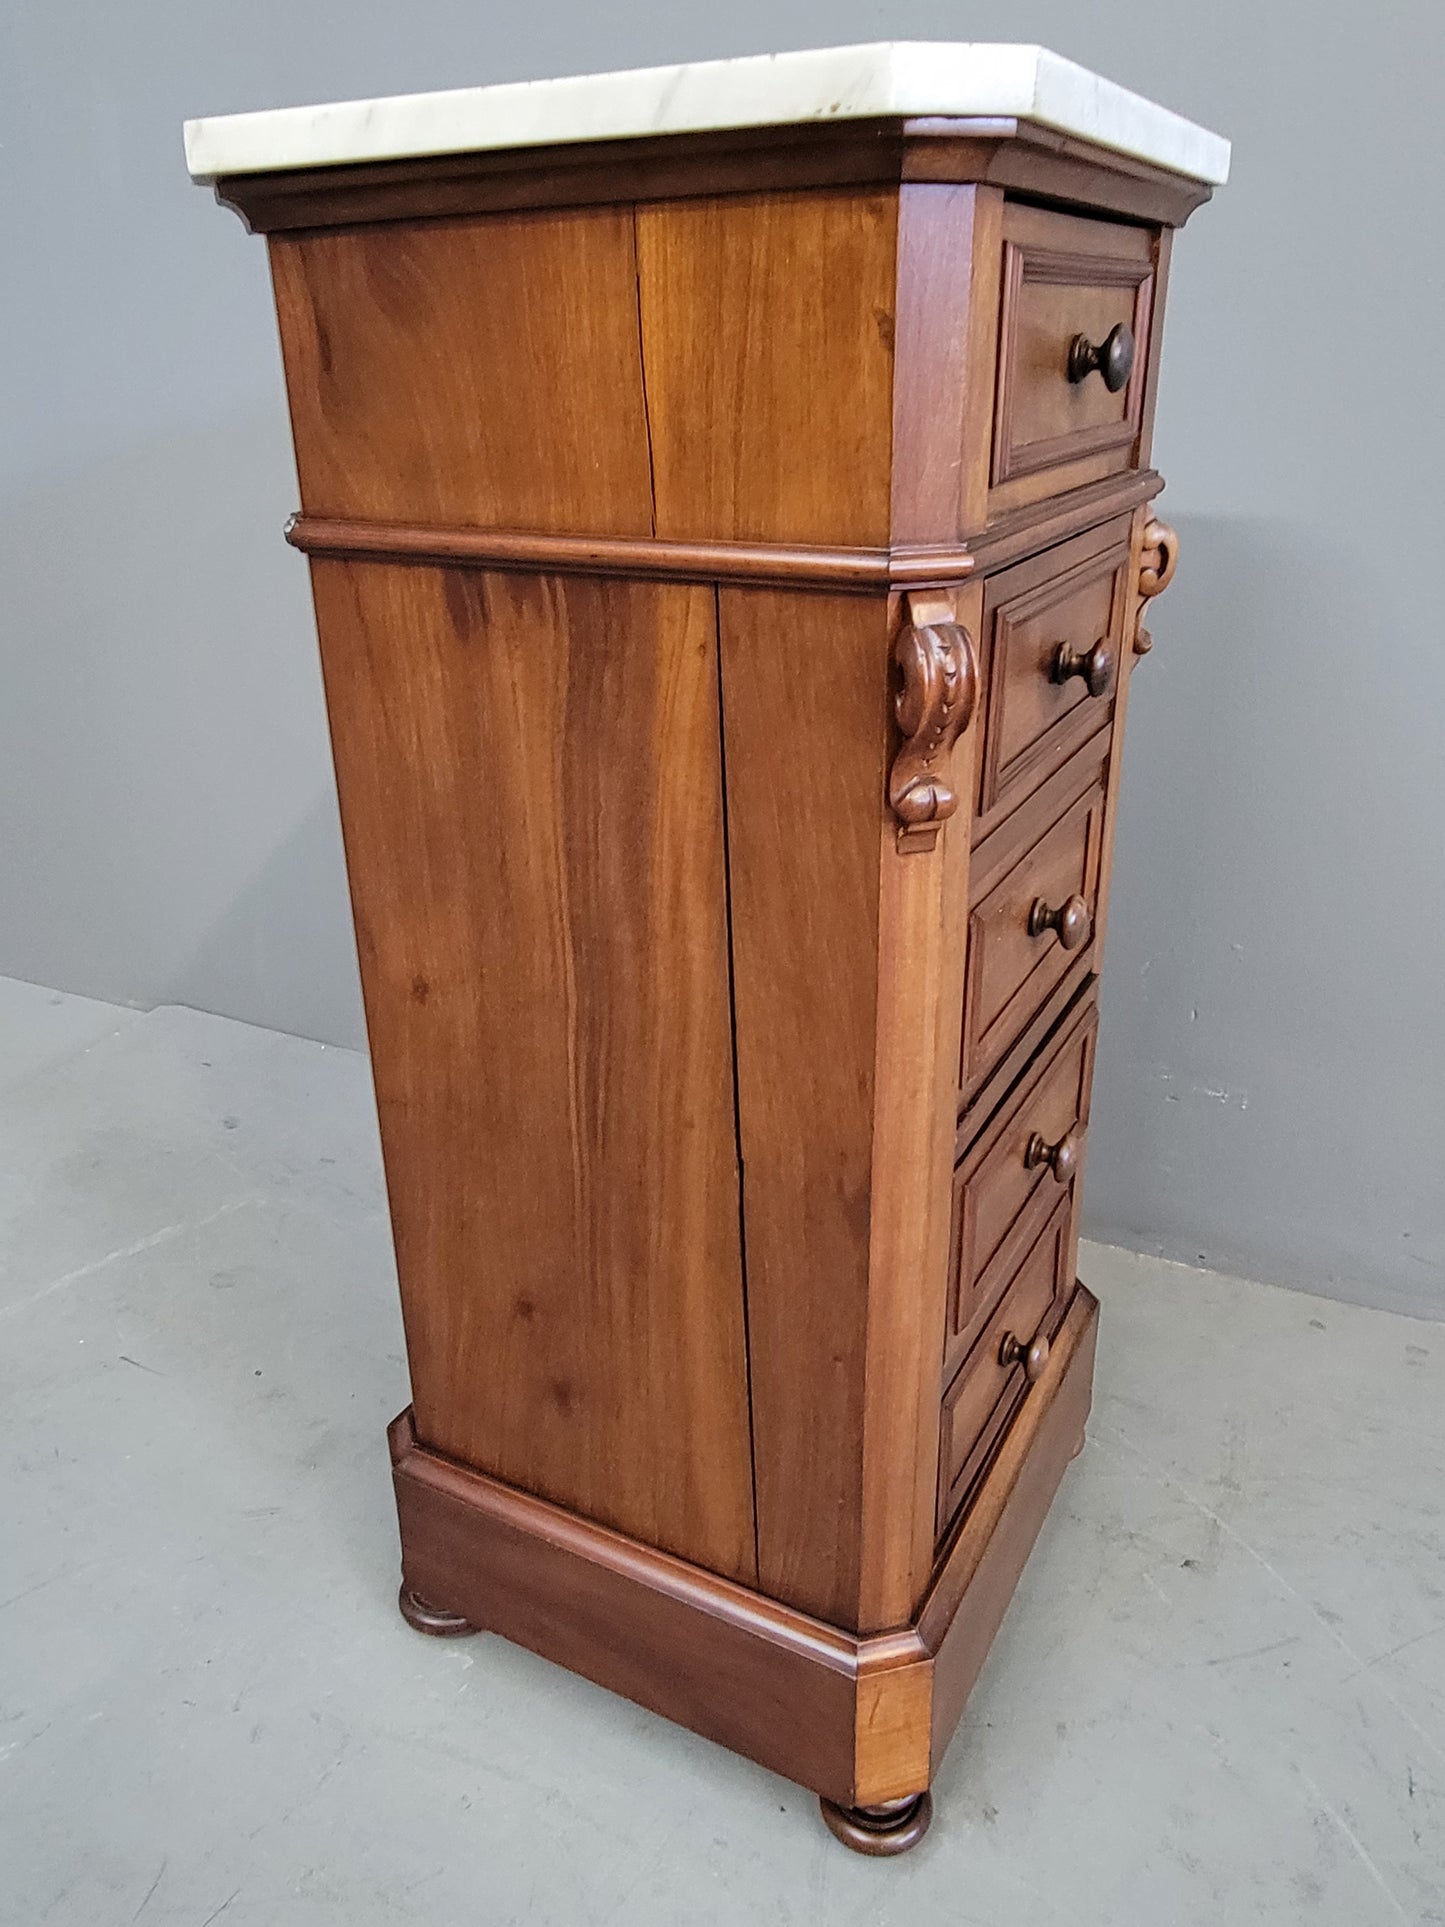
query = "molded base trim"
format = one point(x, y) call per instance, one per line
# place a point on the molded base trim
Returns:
point(861, 1721)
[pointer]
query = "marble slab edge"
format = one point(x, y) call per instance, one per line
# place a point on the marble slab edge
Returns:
point(904, 80)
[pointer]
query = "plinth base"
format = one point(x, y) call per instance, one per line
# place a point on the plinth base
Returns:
point(862, 1720)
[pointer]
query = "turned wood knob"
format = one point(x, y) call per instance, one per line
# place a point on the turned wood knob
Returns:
point(1071, 920)
point(1095, 665)
point(1113, 357)
point(1033, 1357)
point(1062, 1158)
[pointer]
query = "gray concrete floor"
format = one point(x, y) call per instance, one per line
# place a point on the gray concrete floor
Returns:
point(1219, 1697)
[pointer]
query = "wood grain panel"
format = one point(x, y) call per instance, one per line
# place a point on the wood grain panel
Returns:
point(805, 694)
point(480, 372)
point(531, 796)
point(934, 368)
point(767, 329)
point(894, 1718)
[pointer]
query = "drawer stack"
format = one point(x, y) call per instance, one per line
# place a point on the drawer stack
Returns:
point(1076, 306)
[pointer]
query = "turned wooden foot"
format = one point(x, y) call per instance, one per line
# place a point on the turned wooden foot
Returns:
point(1078, 1446)
point(431, 1619)
point(893, 1827)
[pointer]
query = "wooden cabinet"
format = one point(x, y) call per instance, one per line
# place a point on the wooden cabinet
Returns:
point(728, 552)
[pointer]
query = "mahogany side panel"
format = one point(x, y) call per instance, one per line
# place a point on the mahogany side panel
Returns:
point(767, 329)
point(805, 713)
point(477, 373)
point(532, 803)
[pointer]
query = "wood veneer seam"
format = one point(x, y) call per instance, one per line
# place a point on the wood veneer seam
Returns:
point(642, 375)
point(737, 1091)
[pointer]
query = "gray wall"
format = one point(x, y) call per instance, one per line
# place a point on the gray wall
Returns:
point(1269, 1094)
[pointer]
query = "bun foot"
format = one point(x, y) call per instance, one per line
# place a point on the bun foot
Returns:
point(1078, 1448)
point(893, 1827)
point(431, 1619)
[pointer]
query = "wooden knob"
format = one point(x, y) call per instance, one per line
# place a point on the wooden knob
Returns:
point(1033, 1357)
point(1095, 665)
point(1062, 1158)
point(1113, 357)
point(1071, 920)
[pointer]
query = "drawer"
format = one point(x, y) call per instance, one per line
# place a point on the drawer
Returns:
point(1052, 641)
point(1076, 301)
point(1033, 1147)
point(1027, 929)
point(1011, 1350)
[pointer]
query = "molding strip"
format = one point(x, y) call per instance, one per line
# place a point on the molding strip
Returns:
point(843, 568)
point(1039, 525)
point(857, 570)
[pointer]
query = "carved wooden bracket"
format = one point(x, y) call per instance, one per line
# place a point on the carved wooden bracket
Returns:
point(933, 706)
point(1158, 559)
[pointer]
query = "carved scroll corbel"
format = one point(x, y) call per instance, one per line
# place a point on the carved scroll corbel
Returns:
point(933, 705)
point(1158, 559)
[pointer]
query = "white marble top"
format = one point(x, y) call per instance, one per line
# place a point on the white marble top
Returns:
point(892, 79)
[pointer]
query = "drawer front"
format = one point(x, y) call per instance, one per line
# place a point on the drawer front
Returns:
point(1059, 422)
point(1053, 631)
point(1026, 932)
point(995, 1376)
point(1033, 1148)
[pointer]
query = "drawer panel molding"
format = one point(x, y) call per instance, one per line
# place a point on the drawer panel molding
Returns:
point(1023, 935)
point(1069, 286)
point(1007, 1166)
point(1053, 638)
point(1010, 1356)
